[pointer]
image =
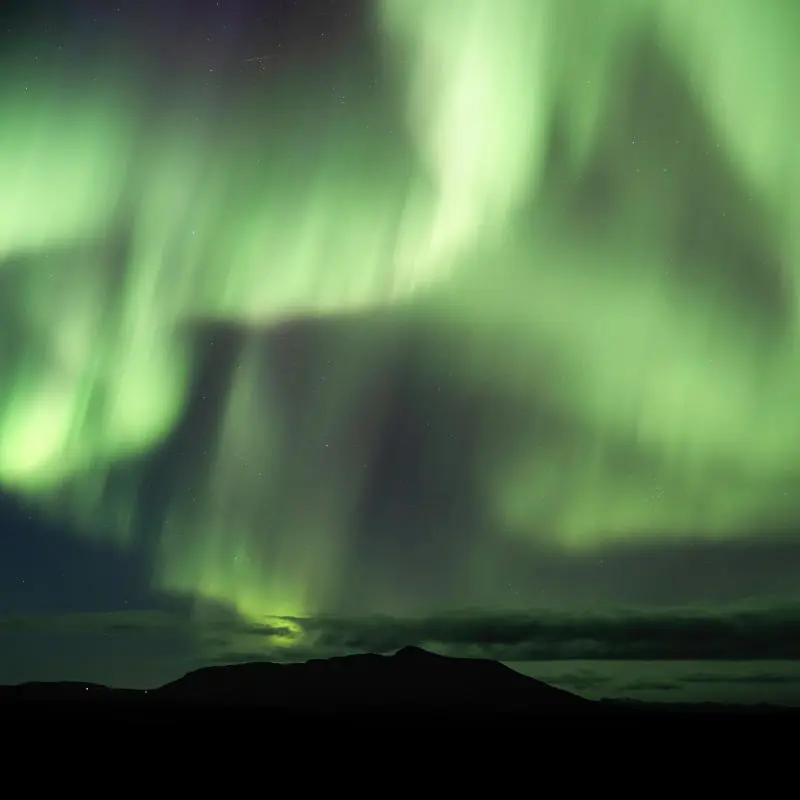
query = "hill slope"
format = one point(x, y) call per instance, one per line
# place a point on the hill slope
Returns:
point(410, 680)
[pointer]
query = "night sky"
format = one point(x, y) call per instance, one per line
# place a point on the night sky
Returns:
point(339, 326)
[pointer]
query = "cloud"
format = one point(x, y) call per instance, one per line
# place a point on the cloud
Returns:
point(650, 686)
point(91, 622)
point(759, 679)
point(141, 622)
point(582, 680)
point(680, 634)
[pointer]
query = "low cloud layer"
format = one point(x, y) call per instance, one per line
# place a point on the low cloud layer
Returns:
point(737, 634)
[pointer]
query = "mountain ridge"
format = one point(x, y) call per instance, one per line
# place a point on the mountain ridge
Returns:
point(409, 683)
point(410, 679)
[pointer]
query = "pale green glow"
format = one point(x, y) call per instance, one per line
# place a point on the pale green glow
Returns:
point(467, 221)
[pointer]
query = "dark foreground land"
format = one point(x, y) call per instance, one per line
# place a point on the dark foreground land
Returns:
point(407, 686)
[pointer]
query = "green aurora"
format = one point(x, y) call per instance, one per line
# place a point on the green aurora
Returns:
point(673, 355)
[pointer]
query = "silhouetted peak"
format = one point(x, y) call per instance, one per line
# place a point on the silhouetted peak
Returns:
point(412, 678)
point(410, 652)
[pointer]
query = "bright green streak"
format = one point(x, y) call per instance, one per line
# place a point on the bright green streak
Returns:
point(235, 220)
point(647, 357)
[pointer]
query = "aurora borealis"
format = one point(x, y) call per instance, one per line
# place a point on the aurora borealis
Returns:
point(434, 304)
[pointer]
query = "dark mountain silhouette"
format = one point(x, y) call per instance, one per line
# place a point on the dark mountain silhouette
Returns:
point(410, 682)
point(410, 679)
